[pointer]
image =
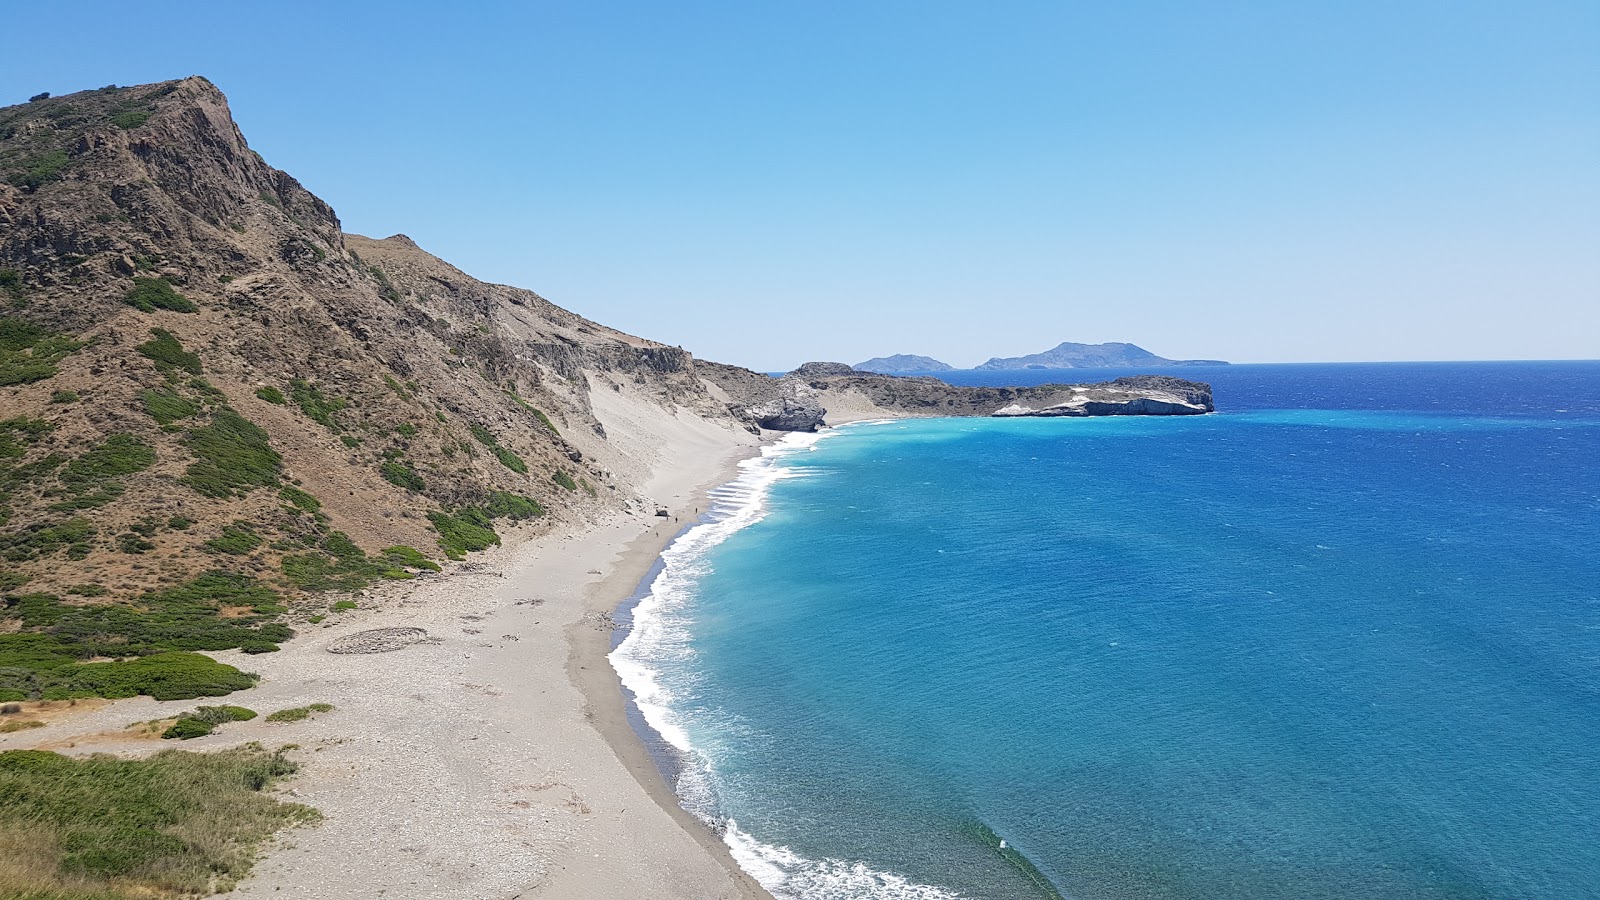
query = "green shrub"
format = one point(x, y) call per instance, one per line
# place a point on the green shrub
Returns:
point(533, 409)
point(42, 539)
point(565, 480)
point(395, 385)
point(237, 539)
point(29, 353)
point(505, 505)
point(132, 118)
point(507, 458)
point(205, 719)
point(166, 406)
point(467, 530)
point(299, 499)
point(340, 566)
point(350, 441)
point(151, 294)
point(406, 429)
point(176, 823)
point(180, 523)
point(299, 713)
point(17, 434)
point(88, 590)
point(119, 454)
point(410, 557)
point(271, 395)
point(11, 283)
point(188, 727)
point(164, 676)
point(232, 456)
point(40, 170)
point(133, 542)
point(342, 605)
point(64, 397)
point(317, 406)
point(398, 473)
point(168, 353)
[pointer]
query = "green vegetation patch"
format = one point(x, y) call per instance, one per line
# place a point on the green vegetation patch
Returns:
point(103, 828)
point(467, 530)
point(236, 540)
point(397, 472)
point(232, 456)
point(39, 170)
point(30, 353)
point(507, 458)
point(168, 354)
point(506, 505)
point(317, 406)
point(410, 557)
point(43, 656)
point(340, 566)
point(299, 499)
point(204, 720)
point(471, 528)
point(117, 455)
point(131, 118)
point(271, 395)
point(563, 479)
point(42, 539)
point(17, 434)
point(151, 294)
point(167, 406)
point(510, 392)
point(299, 713)
point(11, 285)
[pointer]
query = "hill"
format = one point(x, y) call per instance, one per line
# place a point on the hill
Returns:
point(902, 362)
point(1067, 355)
point(218, 405)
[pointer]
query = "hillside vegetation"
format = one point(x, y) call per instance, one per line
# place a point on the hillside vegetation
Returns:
point(218, 407)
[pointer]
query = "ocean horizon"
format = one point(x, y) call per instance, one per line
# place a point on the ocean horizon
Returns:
point(1340, 639)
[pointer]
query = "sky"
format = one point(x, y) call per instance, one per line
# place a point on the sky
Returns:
point(766, 183)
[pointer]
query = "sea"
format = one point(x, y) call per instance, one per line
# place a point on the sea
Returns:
point(1340, 639)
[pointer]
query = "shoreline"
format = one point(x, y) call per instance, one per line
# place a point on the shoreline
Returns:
point(608, 706)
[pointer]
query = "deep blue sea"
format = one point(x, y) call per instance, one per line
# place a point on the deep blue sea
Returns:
point(1339, 640)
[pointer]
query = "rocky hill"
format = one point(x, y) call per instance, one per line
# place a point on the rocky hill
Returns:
point(218, 405)
point(901, 363)
point(1067, 355)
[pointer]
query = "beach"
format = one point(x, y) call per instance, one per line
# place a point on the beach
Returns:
point(492, 758)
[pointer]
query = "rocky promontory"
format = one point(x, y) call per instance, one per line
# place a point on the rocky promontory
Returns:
point(820, 393)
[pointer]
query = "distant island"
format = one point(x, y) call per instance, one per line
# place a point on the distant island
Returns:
point(901, 363)
point(1068, 355)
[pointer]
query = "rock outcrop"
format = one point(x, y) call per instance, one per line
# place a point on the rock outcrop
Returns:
point(890, 395)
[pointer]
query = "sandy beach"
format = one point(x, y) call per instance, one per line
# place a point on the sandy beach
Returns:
point(493, 757)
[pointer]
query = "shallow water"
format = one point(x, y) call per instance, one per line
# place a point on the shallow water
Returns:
point(1340, 640)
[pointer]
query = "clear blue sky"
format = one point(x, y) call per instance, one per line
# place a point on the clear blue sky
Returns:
point(765, 183)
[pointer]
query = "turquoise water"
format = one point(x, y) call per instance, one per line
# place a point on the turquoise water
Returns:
point(1341, 640)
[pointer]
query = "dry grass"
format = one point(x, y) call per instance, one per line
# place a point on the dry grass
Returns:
point(175, 824)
